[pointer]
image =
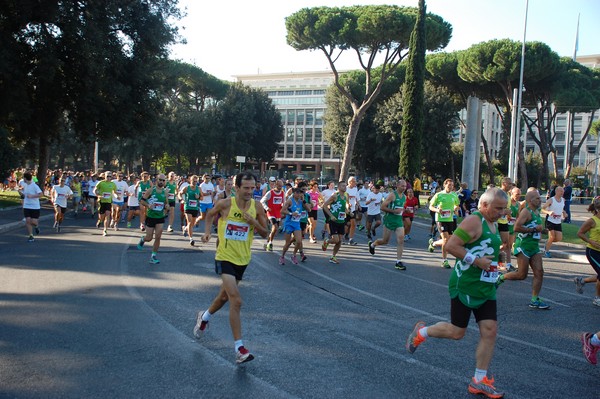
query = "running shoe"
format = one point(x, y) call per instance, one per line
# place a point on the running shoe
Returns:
point(446, 264)
point(243, 355)
point(406, 238)
point(282, 260)
point(589, 350)
point(431, 248)
point(596, 301)
point(270, 247)
point(154, 260)
point(547, 254)
point(303, 258)
point(511, 268)
point(579, 283)
point(538, 304)
point(325, 245)
point(98, 224)
point(414, 339)
point(485, 387)
point(371, 248)
point(294, 260)
point(30, 239)
point(58, 228)
point(313, 240)
point(333, 259)
point(140, 244)
point(128, 225)
point(55, 225)
point(170, 229)
point(104, 233)
point(361, 227)
point(374, 233)
point(143, 228)
point(201, 325)
point(352, 242)
point(400, 266)
point(192, 242)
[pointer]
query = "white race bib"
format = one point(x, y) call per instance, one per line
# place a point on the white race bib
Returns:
point(409, 209)
point(193, 203)
point(236, 231)
point(445, 214)
point(490, 276)
point(171, 196)
point(277, 200)
point(106, 195)
point(342, 216)
point(158, 206)
point(296, 217)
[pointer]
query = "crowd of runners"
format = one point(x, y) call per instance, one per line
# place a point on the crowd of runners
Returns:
point(498, 239)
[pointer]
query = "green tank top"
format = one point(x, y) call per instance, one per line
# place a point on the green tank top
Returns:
point(338, 209)
point(304, 218)
point(143, 187)
point(469, 283)
point(530, 242)
point(172, 190)
point(191, 201)
point(399, 201)
point(158, 200)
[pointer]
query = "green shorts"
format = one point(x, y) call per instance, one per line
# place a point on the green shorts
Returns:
point(528, 252)
point(393, 222)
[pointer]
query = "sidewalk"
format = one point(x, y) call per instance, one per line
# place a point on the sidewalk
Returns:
point(12, 218)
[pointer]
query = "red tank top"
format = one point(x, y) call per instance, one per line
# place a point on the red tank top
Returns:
point(275, 203)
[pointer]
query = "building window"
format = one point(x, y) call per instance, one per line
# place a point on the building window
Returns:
point(309, 117)
point(280, 151)
point(299, 134)
point(289, 151)
point(298, 151)
point(308, 151)
point(291, 116)
point(308, 132)
point(319, 117)
point(282, 113)
point(318, 135)
point(300, 117)
point(290, 135)
point(326, 151)
point(303, 92)
point(318, 151)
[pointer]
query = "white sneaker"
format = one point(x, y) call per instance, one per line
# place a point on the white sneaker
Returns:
point(596, 301)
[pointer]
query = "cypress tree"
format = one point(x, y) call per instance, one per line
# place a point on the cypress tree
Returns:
point(413, 98)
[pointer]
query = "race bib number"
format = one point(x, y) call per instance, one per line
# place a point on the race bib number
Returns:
point(445, 214)
point(490, 276)
point(193, 203)
point(171, 196)
point(409, 209)
point(342, 216)
point(236, 231)
point(537, 235)
point(296, 217)
point(302, 214)
point(106, 195)
point(158, 206)
point(277, 200)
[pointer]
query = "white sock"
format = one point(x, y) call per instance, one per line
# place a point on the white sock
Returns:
point(238, 344)
point(595, 340)
point(480, 374)
point(423, 332)
point(206, 316)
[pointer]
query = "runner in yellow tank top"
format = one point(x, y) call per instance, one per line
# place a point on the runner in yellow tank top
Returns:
point(239, 218)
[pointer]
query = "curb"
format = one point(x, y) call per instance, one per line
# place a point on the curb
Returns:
point(555, 253)
point(15, 225)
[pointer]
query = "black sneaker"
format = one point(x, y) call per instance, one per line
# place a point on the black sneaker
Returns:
point(37, 230)
point(371, 248)
point(400, 265)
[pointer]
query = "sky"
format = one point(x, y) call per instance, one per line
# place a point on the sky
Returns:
point(237, 37)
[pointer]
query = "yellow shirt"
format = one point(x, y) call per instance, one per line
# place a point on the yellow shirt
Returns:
point(235, 235)
point(417, 185)
point(595, 233)
point(504, 218)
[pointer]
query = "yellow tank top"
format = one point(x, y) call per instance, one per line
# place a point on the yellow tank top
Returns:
point(595, 232)
point(235, 235)
point(504, 219)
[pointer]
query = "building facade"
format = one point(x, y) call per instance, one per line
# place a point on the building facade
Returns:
point(300, 98)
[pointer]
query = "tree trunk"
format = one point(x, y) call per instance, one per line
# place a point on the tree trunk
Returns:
point(43, 159)
point(488, 159)
point(522, 168)
point(350, 140)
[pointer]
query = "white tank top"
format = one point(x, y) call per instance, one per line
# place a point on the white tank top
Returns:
point(557, 208)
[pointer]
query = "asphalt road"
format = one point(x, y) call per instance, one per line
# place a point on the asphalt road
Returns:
point(83, 315)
